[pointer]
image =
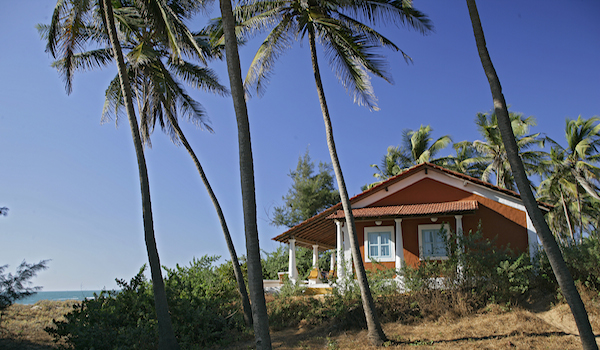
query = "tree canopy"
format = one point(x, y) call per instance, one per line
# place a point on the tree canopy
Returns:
point(309, 194)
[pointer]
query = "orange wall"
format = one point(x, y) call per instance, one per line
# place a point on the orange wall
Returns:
point(508, 224)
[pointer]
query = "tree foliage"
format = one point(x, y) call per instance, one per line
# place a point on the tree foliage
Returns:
point(417, 147)
point(18, 286)
point(309, 194)
point(203, 300)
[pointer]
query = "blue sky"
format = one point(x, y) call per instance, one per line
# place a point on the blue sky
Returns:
point(71, 183)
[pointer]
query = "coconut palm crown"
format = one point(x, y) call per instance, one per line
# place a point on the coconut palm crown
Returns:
point(339, 26)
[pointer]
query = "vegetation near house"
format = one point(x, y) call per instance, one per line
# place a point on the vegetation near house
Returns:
point(207, 313)
point(308, 195)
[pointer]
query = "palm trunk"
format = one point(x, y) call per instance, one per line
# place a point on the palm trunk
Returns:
point(166, 336)
point(255, 283)
point(564, 204)
point(580, 216)
point(563, 276)
point(375, 332)
point(234, 259)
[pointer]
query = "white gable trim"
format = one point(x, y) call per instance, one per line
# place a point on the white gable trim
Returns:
point(444, 178)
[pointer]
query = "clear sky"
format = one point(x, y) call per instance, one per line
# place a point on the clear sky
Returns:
point(72, 186)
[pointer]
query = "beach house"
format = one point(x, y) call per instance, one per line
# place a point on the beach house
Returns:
point(400, 221)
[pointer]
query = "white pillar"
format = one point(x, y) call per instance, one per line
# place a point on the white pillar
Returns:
point(292, 270)
point(315, 256)
point(332, 261)
point(459, 230)
point(341, 269)
point(532, 238)
point(399, 244)
point(347, 248)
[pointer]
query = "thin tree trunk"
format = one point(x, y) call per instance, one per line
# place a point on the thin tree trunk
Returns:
point(166, 336)
point(564, 204)
point(563, 276)
point(375, 332)
point(575, 241)
point(255, 282)
point(234, 259)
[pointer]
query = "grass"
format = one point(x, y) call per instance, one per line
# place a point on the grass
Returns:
point(22, 326)
point(493, 327)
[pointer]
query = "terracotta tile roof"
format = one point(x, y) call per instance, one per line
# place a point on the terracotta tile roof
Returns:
point(410, 210)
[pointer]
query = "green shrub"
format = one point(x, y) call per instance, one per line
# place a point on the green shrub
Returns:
point(203, 302)
point(477, 269)
point(583, 261)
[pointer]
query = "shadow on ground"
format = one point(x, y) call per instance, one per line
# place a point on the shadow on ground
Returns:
point(16, 344)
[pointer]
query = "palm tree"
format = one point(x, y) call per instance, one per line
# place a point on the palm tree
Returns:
point(563, 276)
point(158, 93)
point(160, 96)
point(493, 152)
point(69, 31)
point(389, 166)
point(466, 161)
point(348, 43)
point(417, 147)
point(573, 168)
point(558, 188)
point(583, 139)
point(255, 283)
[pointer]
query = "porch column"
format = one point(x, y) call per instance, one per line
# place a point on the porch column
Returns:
point(332, 262)
point(315, 256)
point(533, 240)
point(292, 270)
point(459, 229)
point(399, 244)
point(347, 248)
point(341, 269)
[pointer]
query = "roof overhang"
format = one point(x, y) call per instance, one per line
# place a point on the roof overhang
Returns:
point(411, 210)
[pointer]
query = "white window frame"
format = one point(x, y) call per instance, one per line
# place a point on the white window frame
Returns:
point(373, 229)
point(446, 227)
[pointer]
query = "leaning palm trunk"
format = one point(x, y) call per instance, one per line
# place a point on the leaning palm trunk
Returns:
point(237, 271)
point(375, 332)
point(563, 276)
point(166, 336)
point(255, 283)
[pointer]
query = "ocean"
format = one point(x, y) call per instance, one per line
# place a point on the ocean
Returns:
point(66, 295)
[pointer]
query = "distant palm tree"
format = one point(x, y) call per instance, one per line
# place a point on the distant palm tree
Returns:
point(493, 151)
point(466, 161)
point(582, 157)
point(573, 172)
point(563, 276)
point(417, 147)
point(349, 45)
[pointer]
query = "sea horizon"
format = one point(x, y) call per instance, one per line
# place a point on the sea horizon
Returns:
point(58, 296)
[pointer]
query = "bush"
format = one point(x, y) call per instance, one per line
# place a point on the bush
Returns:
point(583, 261)
point(203, 302)
point(476, 269)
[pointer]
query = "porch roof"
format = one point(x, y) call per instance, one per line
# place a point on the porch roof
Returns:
point(320, 229)
point(411, 210)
